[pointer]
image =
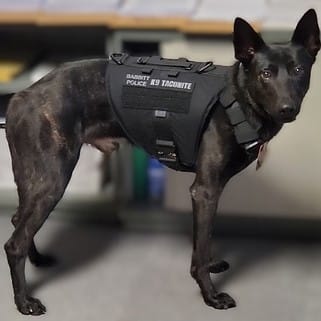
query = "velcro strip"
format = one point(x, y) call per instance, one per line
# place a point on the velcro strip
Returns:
point(156, 99)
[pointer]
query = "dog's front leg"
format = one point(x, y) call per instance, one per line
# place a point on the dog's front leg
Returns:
point(205, 193)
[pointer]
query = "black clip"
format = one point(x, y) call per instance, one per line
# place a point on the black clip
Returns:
point(173, 73)
point(186, 63)
point(207, 65)
point(142, 60)
point(118, 58)
point(147, 71)
point(166, 150)
point(252, 147)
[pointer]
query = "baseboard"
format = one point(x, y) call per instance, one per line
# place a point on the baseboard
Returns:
point(148, 217)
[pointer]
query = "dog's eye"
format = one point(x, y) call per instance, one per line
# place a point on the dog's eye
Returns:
point(298, 69)
point(266, 74)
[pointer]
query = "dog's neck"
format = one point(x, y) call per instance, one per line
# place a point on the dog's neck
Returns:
point(256, 116)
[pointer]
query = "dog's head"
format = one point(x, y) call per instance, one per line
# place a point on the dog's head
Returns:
point(277, 76)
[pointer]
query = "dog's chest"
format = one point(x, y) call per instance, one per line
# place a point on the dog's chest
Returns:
point(163, 104)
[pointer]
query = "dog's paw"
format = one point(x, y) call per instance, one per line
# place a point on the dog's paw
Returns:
point(31, 306)
point(221, 301)
point(44, 261)
point(218, 267)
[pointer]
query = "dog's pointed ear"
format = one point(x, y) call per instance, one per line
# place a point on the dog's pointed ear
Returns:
point(246, 41)
point(307, 33)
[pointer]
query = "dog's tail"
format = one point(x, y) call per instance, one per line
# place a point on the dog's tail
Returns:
point(4, 102)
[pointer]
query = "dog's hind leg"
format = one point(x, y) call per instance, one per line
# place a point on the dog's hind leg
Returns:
point(45, 188)
point(41, 177)
point(36, 210)
point(218, 266)
point(36, 258)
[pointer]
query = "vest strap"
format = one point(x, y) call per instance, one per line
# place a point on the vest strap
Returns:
point(245, 134)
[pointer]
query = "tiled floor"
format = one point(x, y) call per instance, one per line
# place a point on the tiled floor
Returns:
point(120, 275)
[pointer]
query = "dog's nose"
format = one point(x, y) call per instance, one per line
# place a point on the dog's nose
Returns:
point(287, 111)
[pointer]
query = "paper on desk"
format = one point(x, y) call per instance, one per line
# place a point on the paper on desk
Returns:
point(227, 10)
point(82, 6)
point(158, 8)
point(291, 2)
point(284, 14)
point(20, 5)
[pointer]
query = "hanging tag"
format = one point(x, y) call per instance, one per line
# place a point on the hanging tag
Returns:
point(261, 155)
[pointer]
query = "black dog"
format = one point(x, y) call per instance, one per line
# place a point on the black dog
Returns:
point(47, 124)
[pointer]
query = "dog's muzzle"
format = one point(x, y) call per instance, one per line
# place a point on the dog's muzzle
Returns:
point(287, 113)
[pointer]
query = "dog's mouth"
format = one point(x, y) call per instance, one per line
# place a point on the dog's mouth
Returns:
point(280, 118)
point(286, 115)
point(288, 119)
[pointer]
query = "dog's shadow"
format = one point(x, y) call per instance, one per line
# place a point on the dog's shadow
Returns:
point(248, 254)
point(75, 246)
point(81, 244)
point(243, 254)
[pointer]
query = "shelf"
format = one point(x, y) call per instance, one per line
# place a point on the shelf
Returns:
point(64, 19)
point(121, 22)
point(209, 27)
point(12, 18)
point(114, 21)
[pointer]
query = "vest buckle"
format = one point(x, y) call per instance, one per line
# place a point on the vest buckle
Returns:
point(253, 147)
point(205, 66)
point(142, 60)
point(166, 150)
point(118, 58)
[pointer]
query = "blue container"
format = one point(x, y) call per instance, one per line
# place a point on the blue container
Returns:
point(156, 180)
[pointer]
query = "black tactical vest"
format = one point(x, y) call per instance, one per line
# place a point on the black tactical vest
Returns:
point(163, 104)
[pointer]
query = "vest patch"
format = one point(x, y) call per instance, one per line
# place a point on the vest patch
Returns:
point(134, 80)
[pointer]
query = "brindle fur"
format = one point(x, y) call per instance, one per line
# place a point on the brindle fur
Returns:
point(47, 124)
